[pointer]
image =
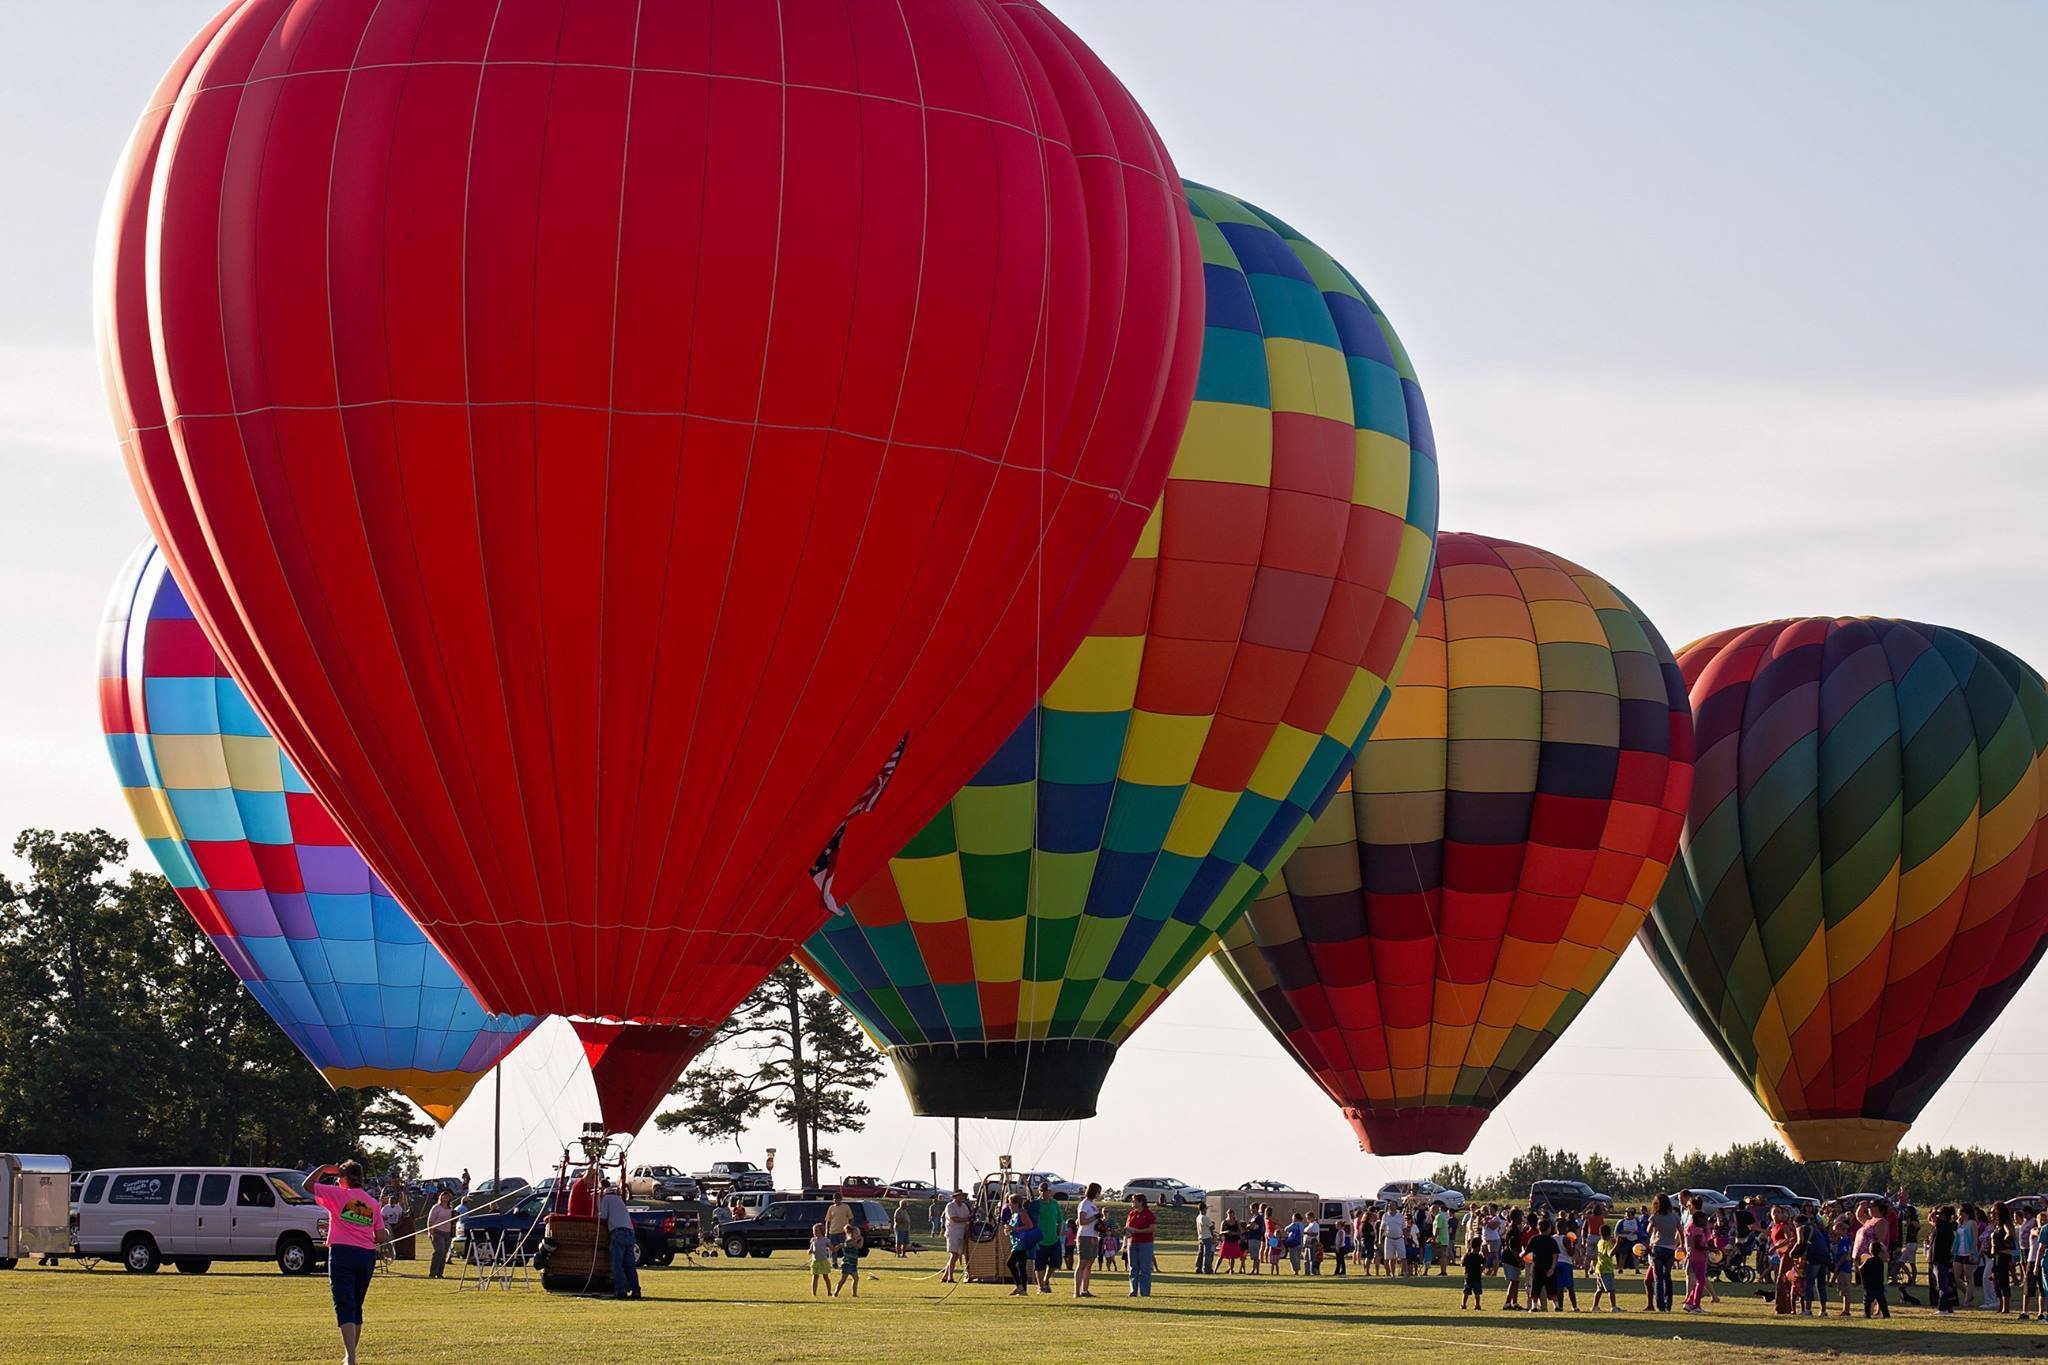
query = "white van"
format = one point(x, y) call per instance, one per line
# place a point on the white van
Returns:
point(193, 1216)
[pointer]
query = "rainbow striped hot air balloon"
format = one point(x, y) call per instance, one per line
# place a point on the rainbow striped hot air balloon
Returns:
point(255, 858)
point(1862, 885)
point(1213, 708)
point(1508, 824)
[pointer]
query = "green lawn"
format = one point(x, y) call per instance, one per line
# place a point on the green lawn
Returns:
point(760, 1310)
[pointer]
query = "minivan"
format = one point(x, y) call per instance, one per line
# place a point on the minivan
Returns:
point(193, 1216)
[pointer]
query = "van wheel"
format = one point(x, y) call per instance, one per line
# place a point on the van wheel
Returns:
point(192, 1265)
point(294, 1254)
point(735, 1246)
point(139, 1254)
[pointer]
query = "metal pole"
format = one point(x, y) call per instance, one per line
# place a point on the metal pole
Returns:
point(956, 1153)
point(497, 1115)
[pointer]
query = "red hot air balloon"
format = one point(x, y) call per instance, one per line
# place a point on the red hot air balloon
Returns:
point(601, 436)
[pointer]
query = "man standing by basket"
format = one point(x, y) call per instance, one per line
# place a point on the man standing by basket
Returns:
point(618, 1226)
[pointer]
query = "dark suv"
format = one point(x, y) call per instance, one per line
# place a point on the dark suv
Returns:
point(1776, 1196)
point(1565, 1196)
point(787, 1227)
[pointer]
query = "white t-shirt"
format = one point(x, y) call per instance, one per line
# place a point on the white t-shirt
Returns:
point(1394, 1228)
point(1089, 1219)
point(1204, 1228)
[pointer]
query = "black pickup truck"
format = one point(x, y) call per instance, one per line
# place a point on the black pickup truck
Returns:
point(787, 1227)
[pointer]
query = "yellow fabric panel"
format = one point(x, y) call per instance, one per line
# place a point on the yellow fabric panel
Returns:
point(1414, 712)
point(1226, 443)
point(1309, 378)
point(1148, 539)
point(1378, 1085)
point(1648, 883)
point(1102, 675)
point(1542, 1007)
point(998, 948)
point(1172, 935)
point(930, 888)
point(1487, 1041)
point(1599, 594)
point(1411, 567)
point(252, 763)
point(1504, 618)
point(190, 762)
point(1199, 820)
point(2005, 826)
point(1408, 1048)
point(1557, 622)
point(1594, 969)
point(1494, 663)
point(1287, 753)
point(1160, 750)
point(1856, 936)
point(1035, 1001)
point(1773, 1046)
point(153, 814)
point(1804, 983)
point(1380, 472)
point(1922, 890)
point(1566, 965)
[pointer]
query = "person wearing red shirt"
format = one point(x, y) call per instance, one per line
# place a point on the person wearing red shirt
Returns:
point(1138, 1228)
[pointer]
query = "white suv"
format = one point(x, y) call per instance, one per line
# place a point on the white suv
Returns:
point(1425, 1191)
point(1164, 1190)
point(193, 1216)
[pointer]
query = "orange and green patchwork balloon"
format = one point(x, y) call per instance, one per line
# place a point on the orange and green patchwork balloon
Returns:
point(1212, 710)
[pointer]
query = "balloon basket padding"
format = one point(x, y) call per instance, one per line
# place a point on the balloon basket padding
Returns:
point(1037, 1081)
point(579, 1256)
point(1447, 1128)
point(989, 1262)
point(1864, 1141)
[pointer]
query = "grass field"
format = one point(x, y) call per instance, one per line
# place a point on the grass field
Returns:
point(760, 1310)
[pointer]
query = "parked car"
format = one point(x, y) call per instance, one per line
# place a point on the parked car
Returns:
point(497, 1193)
point(1162, 1189)
point(911, 1189)
point(658, 1233)
point(193, 1216)
point(1850, 1201)
point(786, 1226)
point(1427, 1191)
point(659, 1182)
point(857, 1187)
point(1713, 1201)
point(734, 1175)
point(2026, 1205)
point(1268, 1187)
point(1565, 1196)
point(1062, 1188)
point(1775, 1196)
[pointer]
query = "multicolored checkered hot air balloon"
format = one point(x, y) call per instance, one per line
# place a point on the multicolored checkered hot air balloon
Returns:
point(298, 915)
point(1862, 884)
point(1017, 940)
point(1508, 824)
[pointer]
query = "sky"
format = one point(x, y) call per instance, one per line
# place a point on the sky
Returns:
point(1740, 306)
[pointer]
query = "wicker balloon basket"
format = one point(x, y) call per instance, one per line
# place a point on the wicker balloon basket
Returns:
point(579, 1256)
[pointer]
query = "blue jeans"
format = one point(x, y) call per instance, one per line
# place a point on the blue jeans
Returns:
point(348, 1277)
point(1661, 1259)
point(1141, 1270)
point(625, 1274)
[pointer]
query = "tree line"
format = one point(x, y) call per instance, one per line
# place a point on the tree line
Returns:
point(126, 1040)
point(1927, 1175)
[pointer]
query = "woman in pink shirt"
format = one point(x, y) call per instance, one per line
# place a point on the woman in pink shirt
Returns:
point(353, 1222)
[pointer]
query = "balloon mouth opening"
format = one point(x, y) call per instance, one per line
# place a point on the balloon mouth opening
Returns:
point(1027, 1080)
point(1864, 1141)
point(1447, 1128)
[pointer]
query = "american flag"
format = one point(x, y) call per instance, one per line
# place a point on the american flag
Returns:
point(828, 857)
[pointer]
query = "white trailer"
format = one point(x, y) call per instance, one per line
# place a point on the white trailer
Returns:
point(35, 1206)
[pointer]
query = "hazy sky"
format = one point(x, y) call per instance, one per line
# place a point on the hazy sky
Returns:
point(1742, 306)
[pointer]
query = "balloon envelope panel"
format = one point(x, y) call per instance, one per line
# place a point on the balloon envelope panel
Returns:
point(600, 434)
point(1210, 712)
point(1861, 887)
point(1504, 831)
point(277, 889)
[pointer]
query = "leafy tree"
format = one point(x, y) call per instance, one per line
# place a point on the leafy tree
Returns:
point(805, 1060)
point(1453, 1176)
point(125, 1039)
